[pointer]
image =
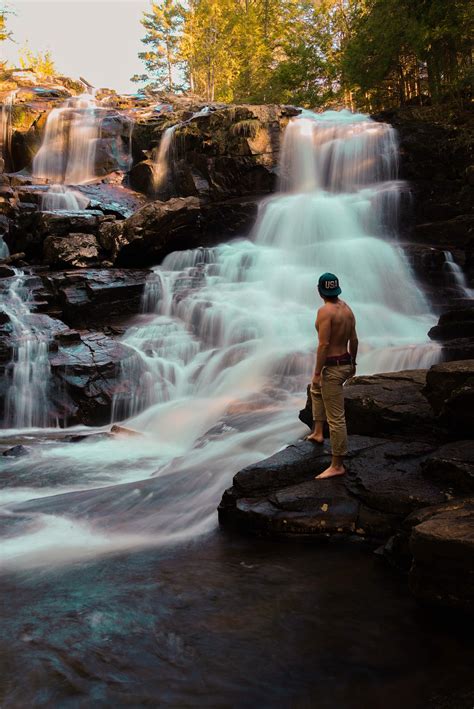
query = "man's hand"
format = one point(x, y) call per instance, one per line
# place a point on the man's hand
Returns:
point(316, 380)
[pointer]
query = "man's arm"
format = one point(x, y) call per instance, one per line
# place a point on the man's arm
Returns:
point(353, 343)
point(324, 333)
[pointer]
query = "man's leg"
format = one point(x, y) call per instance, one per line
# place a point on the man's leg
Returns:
point(319, 415)
point(333, 399)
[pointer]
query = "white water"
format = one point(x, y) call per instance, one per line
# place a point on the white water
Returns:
point(455, 275)
point(67, 154)
point(27, 404)
point(59, 197)
point(226, 345)
point(164, 154)
point(4, 250)
point(6, 124)
point(161, 162)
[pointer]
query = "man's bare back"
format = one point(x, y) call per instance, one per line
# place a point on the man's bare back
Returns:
point(335, 324)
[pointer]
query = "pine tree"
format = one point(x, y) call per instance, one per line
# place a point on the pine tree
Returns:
point(162, 26)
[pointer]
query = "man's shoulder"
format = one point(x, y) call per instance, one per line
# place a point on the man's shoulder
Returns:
point(324, 310)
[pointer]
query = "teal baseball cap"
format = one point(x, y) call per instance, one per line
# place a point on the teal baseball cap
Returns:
point(328, 285)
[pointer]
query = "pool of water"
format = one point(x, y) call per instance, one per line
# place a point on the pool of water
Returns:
point(228, 622)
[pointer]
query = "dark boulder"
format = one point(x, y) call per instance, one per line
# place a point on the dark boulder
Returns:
point(454, 324)
point(442, 545)
point(450, 391)
point(74, 250)
point(390, 404)
point(87, 376)
point(96, 297)
point(182, 223)
point(453, 464)
point(18, 451)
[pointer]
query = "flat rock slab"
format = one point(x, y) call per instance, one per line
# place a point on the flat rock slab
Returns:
point(384, 483)
point(443, 556)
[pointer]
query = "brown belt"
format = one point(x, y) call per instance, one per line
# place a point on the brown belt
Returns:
point(338, 360)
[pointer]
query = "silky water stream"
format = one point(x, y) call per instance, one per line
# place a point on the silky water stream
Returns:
point(182, 615)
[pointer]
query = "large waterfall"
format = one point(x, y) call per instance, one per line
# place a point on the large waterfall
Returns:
point(225, 347)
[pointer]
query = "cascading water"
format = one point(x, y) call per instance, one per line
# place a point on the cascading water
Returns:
point(27, 402)
point(6, 125)
point(59, 197)
point(67, 154)
point(161, 163)
point(455, 275)
point(163, 156)
point(225, 347)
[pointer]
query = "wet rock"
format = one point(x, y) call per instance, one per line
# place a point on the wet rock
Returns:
point(280, 496)
point(229, 152)
point(459, 349)
point(17, 451)
point(96, 297)
point(30, 229)
point(454, 324)
point(182, 223)
point(6, 272)
point(87, 375)
point(450, 391)
point(390, 404)
point(442, 545)
point(76, 250)
point(452, 464)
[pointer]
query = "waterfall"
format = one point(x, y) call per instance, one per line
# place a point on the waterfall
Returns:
point(67, 154)
point(59, 197)
point(161, 163)
point(249, 306)
point(4, 250)
point(455, 275)
point(27, 404)
point(6, 125)
point(163, 155)
point(225, 345)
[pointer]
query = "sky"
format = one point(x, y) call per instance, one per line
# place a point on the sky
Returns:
point(96, 39)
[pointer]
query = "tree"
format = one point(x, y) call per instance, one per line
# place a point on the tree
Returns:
point(40, 62)
point(162, 26)
point(4, 32)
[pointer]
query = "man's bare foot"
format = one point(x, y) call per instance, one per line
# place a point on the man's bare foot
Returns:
point(315, 438)
point(331, 472)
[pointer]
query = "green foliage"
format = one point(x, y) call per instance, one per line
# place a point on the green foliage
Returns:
point(162, 27)
point(366, 54)
point(40, 62)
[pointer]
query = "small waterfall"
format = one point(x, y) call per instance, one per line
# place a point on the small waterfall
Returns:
point(59, 197)
point(27, 402)
point(161, 163)
point(67, 154)
point(455, 275)
point(6, 126)
point(163, 156)
point(4, 250)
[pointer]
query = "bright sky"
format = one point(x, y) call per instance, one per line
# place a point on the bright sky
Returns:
point(96, 39)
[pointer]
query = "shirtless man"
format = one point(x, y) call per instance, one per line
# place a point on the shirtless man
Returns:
point(335, 363)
